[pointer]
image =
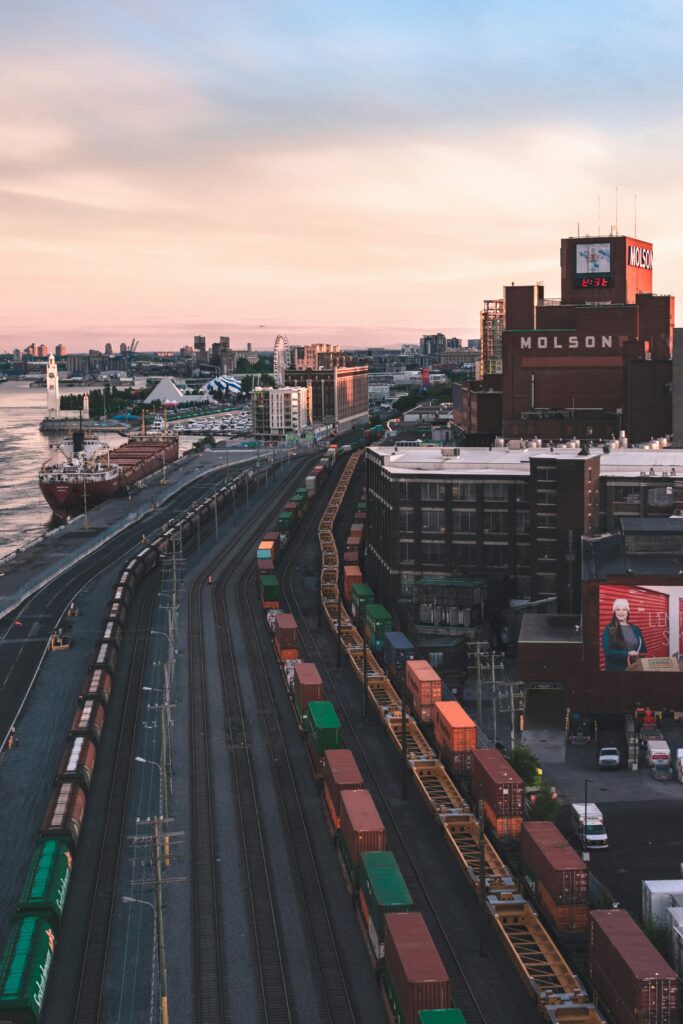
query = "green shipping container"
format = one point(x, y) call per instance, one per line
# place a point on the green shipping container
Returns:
point(441, 1017)
point(361, 595)
point(362, 506)
point(284, 521)
point(324, 728)
point(378, 622)
point(384, 892)
point(269, 587)
point(25, 969)
point(47, 881)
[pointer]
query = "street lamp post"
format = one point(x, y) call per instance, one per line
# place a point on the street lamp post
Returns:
point(164, 805)
point(157, 910)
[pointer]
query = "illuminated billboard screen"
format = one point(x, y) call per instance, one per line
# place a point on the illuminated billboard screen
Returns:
point(640, 628)
point(593, 266)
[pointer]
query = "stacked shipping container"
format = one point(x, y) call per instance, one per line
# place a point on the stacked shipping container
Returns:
point(455, 734)
point(556, 875)
point(423, 684)
point(496, 783)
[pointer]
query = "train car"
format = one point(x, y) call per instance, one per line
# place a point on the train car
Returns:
point(188, 524)
point(324, 733)
point(398, 650)
point(107, 657)
point(269, 590)
point(98, 686)
point(25, 969)
point(414, 976)
point(118, 611)
point(47, 881)
point(423, 684)
point(361, 830)
point(127, 581)
point(137, 568)
point(122, 596)
point(353, 575)
point(286, 637)
point(89, 720)
point(112, 633)
point(340, 772)
point(453, 1016)
point(65, 813)
point(205, 510)
point(555, 875)
point(265, 566)
point(455, 734)
point(381, 891)
point(378, 621)
point(495, 781)
point(362, 595)
point(308, 686)
point(161, 545)
point(78, 762)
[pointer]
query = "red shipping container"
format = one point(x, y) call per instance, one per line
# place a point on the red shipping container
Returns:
point(266, 566)
point(554, 864)
point(632, 978)
point(496, 782)
point(308, 685)
point(454, 730)
point(351, 556)
point(360, 823)
point(361, 517)
point(423, 683)
point(352, 574)
point(340, 772)
point(416, 972)
point(286, 630)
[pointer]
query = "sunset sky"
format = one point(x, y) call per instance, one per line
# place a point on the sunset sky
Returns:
point(353, 172)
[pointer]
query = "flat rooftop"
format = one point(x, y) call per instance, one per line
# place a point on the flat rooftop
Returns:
point(512, 461)
point(557, 629)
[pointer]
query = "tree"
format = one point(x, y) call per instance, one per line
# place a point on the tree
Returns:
point(526, 764)
point(544, 804)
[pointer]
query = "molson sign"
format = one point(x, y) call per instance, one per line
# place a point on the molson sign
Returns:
point(640, 256)
point(542, 342)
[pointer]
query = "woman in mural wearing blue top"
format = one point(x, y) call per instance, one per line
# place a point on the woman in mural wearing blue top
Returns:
point(622, 641)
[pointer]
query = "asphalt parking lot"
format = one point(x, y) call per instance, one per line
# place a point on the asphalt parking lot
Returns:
point(643, 817)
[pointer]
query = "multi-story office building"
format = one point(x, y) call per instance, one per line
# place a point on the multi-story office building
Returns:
point(277, 412)
point(505, 521)
point(315, 357)
point(338, 396)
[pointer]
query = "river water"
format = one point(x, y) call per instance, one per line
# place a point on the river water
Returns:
point(24, 513)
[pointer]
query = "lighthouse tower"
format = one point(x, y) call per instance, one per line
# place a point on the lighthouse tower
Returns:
point(52, 389)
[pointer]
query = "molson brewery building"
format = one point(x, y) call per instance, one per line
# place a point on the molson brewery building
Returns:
point(597, 360)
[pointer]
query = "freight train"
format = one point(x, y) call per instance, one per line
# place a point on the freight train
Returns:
point(29, 950)
point(415, 985)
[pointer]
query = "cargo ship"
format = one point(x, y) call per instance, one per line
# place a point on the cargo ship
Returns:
point(84, 472)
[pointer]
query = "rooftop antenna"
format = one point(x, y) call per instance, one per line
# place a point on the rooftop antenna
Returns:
point(616, 209)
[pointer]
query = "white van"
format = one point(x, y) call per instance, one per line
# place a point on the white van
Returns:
point(592, 827)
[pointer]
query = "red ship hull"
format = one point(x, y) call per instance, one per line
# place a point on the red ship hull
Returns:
point(136, 460)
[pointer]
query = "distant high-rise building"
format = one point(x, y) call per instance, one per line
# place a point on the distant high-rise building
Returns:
point(224, 342)
point(280, 360)
point(60, 351)
point(16, 355)
point(492, 319)
point(30, 350)
point(200, 346)
point(123, 348)
point(41, 352)
point(108, 350)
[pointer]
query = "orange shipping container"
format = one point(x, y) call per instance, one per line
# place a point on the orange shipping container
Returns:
point(424, 686)
point(572, 918)
point(454, 730)
point(505, 828)
point(352, 574)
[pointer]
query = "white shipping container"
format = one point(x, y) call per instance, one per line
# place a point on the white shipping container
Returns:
point(674, 938)
point(310, 484)
point(658, 896)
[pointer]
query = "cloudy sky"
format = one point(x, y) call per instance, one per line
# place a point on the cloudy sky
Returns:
point(361, 172)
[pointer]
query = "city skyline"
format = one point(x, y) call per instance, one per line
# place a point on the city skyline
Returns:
point(348, 175)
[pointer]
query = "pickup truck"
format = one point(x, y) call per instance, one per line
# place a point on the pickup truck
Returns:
point(609, 758)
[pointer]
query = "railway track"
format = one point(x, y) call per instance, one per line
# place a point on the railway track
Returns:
point(89, 1000)
point(466, 998)
point(211, 1000)
point(334, 989)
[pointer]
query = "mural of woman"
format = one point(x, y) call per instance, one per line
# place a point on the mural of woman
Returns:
point(622, 640)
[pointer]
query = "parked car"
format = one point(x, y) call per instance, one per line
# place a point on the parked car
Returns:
point(609, 758)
